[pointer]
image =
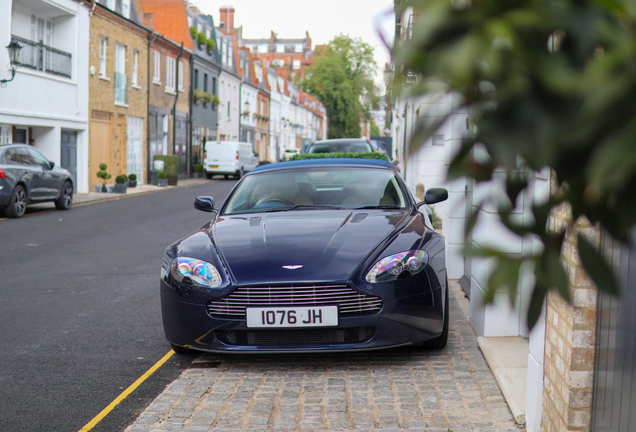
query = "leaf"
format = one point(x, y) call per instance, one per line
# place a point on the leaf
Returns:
point(597, 267)
point(536, 304)
point(470, 225)
point(506, 274)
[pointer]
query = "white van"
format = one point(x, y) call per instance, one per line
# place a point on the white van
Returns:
point(229, 158)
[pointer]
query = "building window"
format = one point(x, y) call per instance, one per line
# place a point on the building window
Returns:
point(213, 85)
point(181, 76)
point(125, 8)
point(156, 78)
point(135, 69)
point(170, 66)
point(224, 52)
point(6, 134)
point(121, 79)
point(103, 47)
point(280, 48)
point(110, 4)
point(205, 82)
point(196, 79)
point(296, 64)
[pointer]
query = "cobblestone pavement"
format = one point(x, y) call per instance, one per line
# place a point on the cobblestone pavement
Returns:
point(393, 390)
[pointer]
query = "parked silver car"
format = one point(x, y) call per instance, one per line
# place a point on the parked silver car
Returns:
point(27, 177)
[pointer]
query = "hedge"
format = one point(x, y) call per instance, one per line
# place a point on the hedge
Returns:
point(379, 156)
point(171, 164)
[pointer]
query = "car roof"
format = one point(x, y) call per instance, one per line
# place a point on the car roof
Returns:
point(322, 162)
point(342, 141)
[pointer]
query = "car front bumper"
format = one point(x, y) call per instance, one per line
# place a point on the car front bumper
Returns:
point(401, 321)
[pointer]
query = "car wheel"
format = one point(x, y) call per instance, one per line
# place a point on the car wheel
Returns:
point(17, 203)
point(240, 174)
point(225, 176)
point(208, 175)
point(65, 200)
point(440, 341)
point(180, 350)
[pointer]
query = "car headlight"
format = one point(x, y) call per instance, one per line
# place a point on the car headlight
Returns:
point(197, 271)
point(389, 268)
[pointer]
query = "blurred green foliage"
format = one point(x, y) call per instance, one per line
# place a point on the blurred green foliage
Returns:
point(547, 83)
point(170, 164)
point(341, 77)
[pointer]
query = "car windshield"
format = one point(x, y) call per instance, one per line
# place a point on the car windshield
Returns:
point(340, 147)
point(317, 189)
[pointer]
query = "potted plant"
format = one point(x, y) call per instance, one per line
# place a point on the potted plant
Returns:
point(162, 179)
point(171, 167)
point(211, 45)
point(121, 184)
point(198, 170)
point(193, 32)
point(103, 174)
point(132, 180)
point(215, 101)
point(201, 39)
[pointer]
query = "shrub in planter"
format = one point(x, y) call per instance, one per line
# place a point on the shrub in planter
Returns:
point(197, 167)
point(201, 96)
point(215, 101)
point(193, 32)
point(120, 184)
point(170, 168)
point(162, 181)
point(211, 45)
point(103, 174)
point(202, 38)
point(132, 180)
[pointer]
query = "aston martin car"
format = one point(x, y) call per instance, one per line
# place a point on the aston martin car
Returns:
point(306, 256)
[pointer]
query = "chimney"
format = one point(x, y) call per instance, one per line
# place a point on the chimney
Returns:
point(227, 17)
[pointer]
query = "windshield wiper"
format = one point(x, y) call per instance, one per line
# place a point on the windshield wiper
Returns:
point(304, 207)
point(378, 207)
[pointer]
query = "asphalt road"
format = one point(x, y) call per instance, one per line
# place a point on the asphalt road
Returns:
point(80, 316)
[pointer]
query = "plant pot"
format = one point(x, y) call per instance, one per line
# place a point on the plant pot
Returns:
point(104, 189)
point(120, 188)
point(162, 182)
point(132, 183)
point(172, 180)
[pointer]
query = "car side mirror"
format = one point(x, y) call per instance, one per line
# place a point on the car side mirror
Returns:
point(204, 203)
point(435, 195)
point(51, 164)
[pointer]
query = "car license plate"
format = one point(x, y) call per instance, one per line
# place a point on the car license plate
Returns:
point(213, 167)
point(317, 316)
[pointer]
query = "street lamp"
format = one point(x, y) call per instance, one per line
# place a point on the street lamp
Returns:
point(388, 75)
point(14, 59)
point(246, 112)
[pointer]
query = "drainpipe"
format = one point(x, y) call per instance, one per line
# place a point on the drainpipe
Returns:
point(189, 140)
point(176, 99)
point(148, 161)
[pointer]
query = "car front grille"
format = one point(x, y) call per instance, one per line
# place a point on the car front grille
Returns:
point(349, 301)
point(321, 336)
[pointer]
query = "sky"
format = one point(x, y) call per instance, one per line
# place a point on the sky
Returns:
point(323, 19)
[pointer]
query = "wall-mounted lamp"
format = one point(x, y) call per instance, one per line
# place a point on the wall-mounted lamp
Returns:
point(14, 59)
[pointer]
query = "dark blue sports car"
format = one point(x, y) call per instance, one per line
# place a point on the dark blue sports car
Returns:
point(305, 256)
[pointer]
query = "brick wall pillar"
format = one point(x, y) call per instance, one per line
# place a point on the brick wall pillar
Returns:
point(570, 334)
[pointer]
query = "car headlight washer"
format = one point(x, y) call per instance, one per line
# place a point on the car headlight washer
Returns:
point(391, 267)
point(197, 272)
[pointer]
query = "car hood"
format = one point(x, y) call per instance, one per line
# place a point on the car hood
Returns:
point(323, 245)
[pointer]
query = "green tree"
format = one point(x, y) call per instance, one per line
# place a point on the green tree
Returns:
point(548, 83)
point(375, 130)
point(341, 77)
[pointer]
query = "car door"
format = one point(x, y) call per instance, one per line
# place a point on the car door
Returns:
point(50, 182)
point(30, 173)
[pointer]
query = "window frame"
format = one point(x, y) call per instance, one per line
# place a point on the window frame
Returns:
point(156, 75)
point(135, 69)
point(103, 57)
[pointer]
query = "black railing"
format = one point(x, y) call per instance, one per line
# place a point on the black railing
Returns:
point(40, 57)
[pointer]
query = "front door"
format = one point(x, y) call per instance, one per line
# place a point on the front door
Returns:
point(135, 136)
point(69, 153)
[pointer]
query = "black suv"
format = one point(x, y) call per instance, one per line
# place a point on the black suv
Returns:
point(27, 177)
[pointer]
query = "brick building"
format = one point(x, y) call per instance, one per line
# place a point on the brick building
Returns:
point(118, 92)
point(261, 112)
point(170, 48)
point(289, 57)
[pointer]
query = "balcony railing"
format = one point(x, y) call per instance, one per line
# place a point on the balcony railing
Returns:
point(121, 88)
point(40, 57)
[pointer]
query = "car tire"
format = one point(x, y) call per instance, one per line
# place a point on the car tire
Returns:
point(240, 174)
point(17, 203)
point(209, 175)
point(226, 176)
point(65, 201)
point(180, 350)
point(440, 341)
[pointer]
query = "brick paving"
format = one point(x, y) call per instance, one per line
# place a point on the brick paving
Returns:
point(392, 390)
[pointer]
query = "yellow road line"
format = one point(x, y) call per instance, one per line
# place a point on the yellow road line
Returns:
point(99, 417)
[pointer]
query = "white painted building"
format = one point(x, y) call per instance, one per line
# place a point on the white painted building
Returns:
point(229, 90)
point(46, 104)
point(249, 101)
point(275, 116)
point(288, 136)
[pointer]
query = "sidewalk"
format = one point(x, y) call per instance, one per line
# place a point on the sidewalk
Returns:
point(392, 390)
